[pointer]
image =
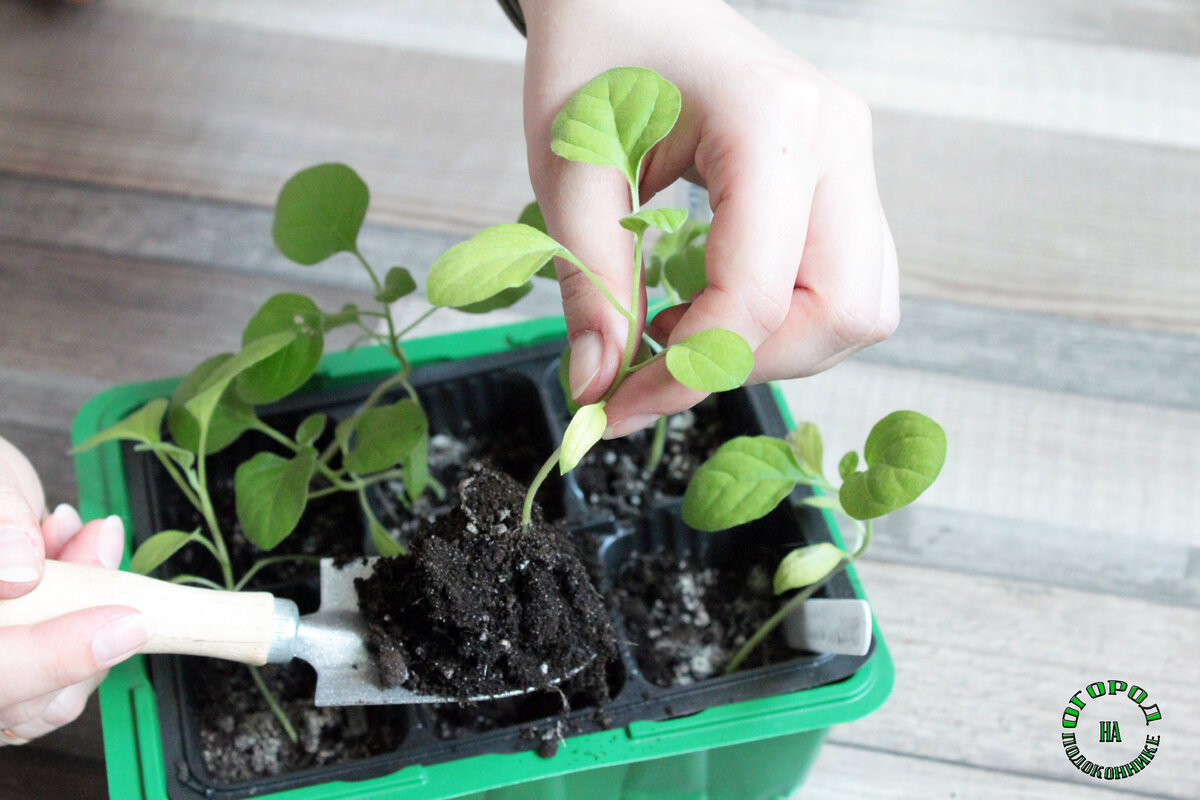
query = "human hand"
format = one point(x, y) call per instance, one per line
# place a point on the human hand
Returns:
point(50, 669)
point(800, 259)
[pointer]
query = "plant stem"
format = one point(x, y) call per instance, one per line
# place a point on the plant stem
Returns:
point(417, 322)
point(276, 709)
point(779, 616)
point(864, 538)
point(656, 446)
point(173, 471)
point(527, 510)
point(206, 509)
point(262, 563)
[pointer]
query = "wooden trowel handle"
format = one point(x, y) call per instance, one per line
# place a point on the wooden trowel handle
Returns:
point(237, 626)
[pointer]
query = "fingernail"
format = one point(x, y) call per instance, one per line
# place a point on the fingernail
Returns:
point(66, 521)
point(121, 638)
point(110, 542)
point(586, 351)
point(630, 425)
point(18, 559)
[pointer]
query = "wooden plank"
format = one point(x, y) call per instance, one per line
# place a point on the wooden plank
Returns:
point(984, 668)
point(1043, 457)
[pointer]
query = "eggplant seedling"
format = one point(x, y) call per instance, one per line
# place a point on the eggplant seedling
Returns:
point(748, 476)
point(613, 121)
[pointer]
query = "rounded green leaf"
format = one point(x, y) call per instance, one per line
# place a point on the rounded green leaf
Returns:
point(285, 371)
point(319, 212)
point(904, 454)
point(685, 271)
point(495, 259)
point(615, 118)
point(143, 425)
point(847, 465)
point(805, 566)
point(385, 435)
point(686, 235)
point(502, 299)
point(203, 403)
point(230, 419)
point(271, 493)
point(308, 431)
point(158, 548)
point(715, 360)
point(397, 283)
point(386, 545)
point(805, 441)
point(531, 215)
point(665, 219)
point(743, 480)
point(584, 430)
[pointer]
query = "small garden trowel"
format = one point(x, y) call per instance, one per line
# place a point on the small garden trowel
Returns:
point(251, 627)
point(830, 626)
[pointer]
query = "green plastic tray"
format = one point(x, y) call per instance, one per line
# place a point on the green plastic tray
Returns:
point(755, 749)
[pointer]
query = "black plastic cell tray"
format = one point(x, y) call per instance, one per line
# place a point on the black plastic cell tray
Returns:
point(474, 395)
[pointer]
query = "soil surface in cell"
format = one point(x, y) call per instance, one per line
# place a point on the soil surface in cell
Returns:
point(687, 619)
point(480, 606)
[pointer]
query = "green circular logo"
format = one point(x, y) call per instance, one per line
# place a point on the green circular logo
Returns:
point(1104, 730)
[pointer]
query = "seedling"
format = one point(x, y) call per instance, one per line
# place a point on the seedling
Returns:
point(612, 121)
point(749, 475)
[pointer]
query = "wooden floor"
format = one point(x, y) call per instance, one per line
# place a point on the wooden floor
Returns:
point(1039, 161)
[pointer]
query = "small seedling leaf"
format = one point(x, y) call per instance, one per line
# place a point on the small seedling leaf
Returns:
point(847, 465)
point(308, 431)
point(386, 545)
point(564, 379)
point(614, 119)
point(385, 435)
point(665, 219)
point(687, 234)
point(495, 259)
point(285, 371)
point(158, 548)
point(270, 493)
point(584, 430)
point(143, 425)
point(416, 469)
point(184, 458)
point(685, 271)
point(531, 215)
point(904, 454)
point(503, 299)
point(208, 395)
point(805, 441)
point(743, 480)
point(805, 566)
point(397, 283)
point(653, 272)
point(715, 360)
point(319, 212)
point(231, 418)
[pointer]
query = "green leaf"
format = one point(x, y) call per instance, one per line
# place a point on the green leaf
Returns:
point(203, 403)
point(685, 271)
point(184, 458)
point(822, 501)
point(531, 215)
point(805, 566)
point(584, 430)
point(143, 425)
point(231, 418)
point(286, 370)
point(271, 492)
point(386, 545)
point(743, 480)
point(615, 118)
point(564, 379)
point(416, 469)
point(670, 243)
point(715, 360)
point(502, 300)
point(336, 319)
point(397, 283)
point(158, 548)
point(904, 454)
point(805, 441)
point(847, 465)
point(665, 219)
point(308, 431)
point(495, 259)
point(319, 212)
point(385, 435)
point(653, 273)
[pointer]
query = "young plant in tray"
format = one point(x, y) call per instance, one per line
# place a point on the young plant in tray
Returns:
point(319, 212)
point(749, 475)
point(612, 121)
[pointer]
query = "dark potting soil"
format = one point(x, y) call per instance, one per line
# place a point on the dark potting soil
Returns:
point(613, 475)
point(479, 606)
point(688, 620)
point(242, 740)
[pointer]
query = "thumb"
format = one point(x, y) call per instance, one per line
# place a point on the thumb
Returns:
point(582, 206)
point(22, 505)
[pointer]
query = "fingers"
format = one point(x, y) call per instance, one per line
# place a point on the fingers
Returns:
point(38, 659)
point(22, 505)
point(41, 715)
point(58, 528)
point(101, 543)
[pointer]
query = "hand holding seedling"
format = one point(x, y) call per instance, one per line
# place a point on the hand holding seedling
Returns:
point(800, 260)
point(50, 669)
